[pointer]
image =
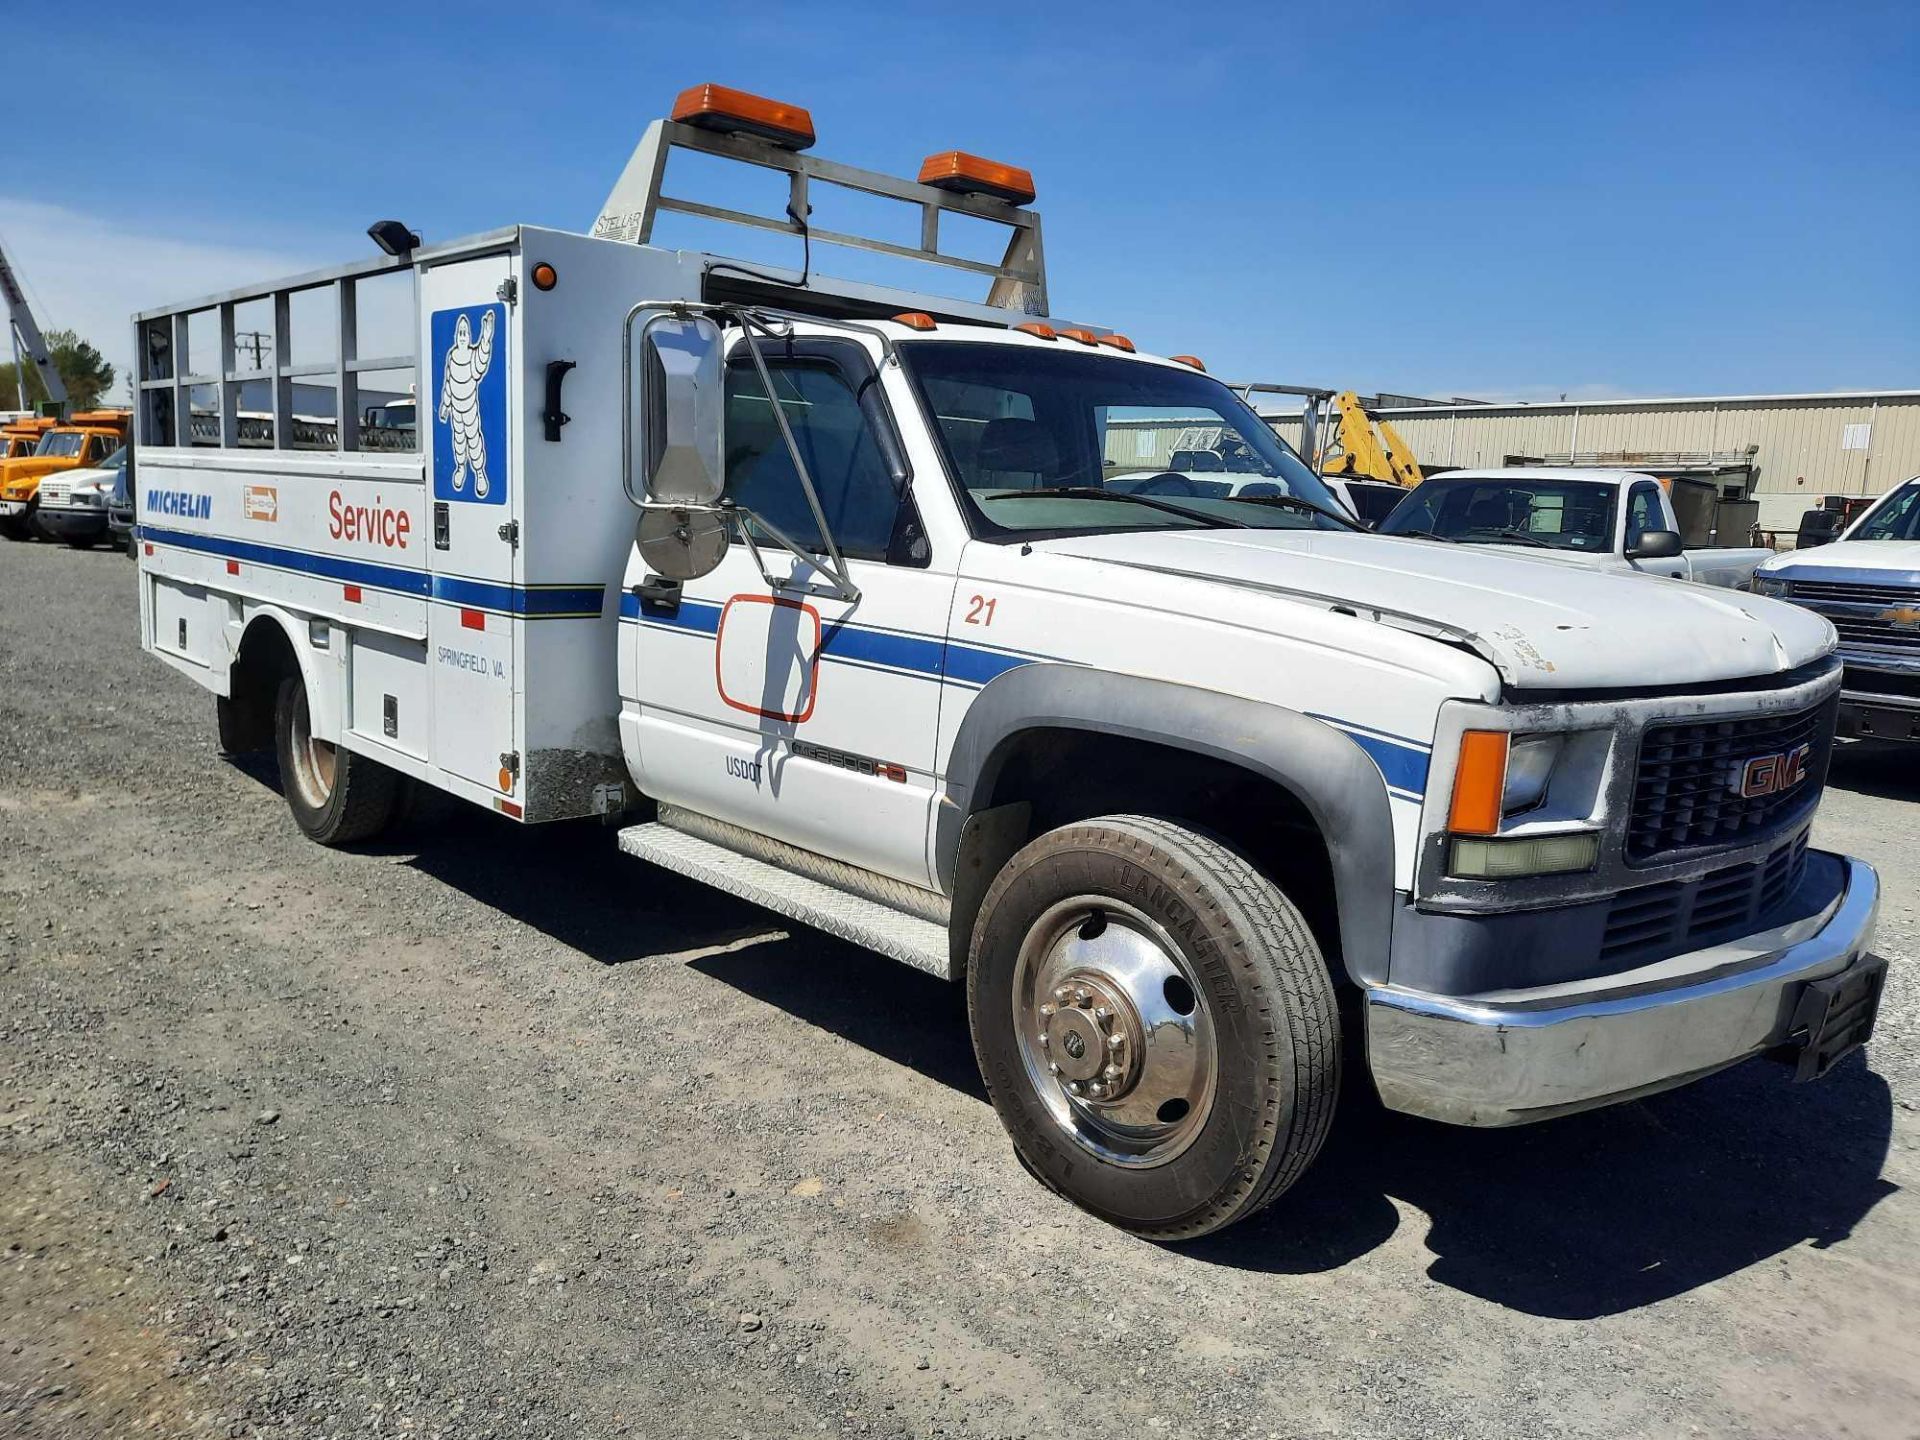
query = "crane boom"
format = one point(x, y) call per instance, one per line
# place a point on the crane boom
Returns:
point(26, 332)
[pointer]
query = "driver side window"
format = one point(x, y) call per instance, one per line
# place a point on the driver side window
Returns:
point(1643, 513)
point(856, 490)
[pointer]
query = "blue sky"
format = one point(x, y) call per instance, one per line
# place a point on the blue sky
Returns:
point(1521, 200)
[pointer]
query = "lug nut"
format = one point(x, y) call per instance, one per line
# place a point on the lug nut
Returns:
point(1114, 1042)
point(1082, 996)
point(1045, 1040)
point(1112, 1072)
point(1054, 1066)
point(1046, 1012)
point(1097, 1090)
point(1073, 1087)
point(1063, 994)
point(1101, 1012)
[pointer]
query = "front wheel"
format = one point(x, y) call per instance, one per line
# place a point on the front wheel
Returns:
point(1155, 1024)
point(337, 797)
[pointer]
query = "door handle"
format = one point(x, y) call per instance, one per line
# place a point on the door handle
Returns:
point(658, 595)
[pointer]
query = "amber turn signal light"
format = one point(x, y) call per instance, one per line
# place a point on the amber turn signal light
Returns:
point(915, 320)
point(735, 112)
point(970, 175)
point(1479, 783)
point(545, 277)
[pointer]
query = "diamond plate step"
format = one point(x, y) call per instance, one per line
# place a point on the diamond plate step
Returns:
point(906, 938)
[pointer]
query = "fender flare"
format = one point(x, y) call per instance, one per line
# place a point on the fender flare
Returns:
point(1323, 768)
point(293, 632)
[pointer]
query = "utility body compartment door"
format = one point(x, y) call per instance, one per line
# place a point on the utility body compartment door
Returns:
point(469, 371)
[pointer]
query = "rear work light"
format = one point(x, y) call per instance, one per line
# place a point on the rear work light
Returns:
point(970, 175)
point(734, 112)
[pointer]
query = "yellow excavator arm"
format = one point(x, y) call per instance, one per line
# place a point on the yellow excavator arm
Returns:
point(1362, 445)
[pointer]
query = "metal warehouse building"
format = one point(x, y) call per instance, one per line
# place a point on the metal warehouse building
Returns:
point(1786, 451)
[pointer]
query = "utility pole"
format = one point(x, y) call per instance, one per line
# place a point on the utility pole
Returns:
point(254, 340)
point(26, 332)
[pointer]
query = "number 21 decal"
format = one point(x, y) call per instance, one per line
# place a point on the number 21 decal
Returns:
point(980, 610)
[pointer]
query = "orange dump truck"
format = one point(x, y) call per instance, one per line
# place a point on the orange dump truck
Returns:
point(79, 443)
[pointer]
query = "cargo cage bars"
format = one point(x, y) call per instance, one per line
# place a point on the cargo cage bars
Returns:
point(166, 380)
point(636, 202)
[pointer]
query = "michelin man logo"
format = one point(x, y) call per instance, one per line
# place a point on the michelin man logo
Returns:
point(469, 431)
point(460, 381)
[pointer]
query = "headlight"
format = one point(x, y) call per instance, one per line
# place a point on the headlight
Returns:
point(1497, 859)
point(1500, 776)
point(1770, 586)
point(1530, 762)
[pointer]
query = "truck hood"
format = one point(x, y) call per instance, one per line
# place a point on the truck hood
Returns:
point(1542, 626)
point(1898, 560)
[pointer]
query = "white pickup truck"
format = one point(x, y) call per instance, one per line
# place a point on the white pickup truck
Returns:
point(821, 588)
point(1620, 520)
point(1867, 583)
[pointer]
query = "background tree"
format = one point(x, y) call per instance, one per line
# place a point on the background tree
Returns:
point(87, 374)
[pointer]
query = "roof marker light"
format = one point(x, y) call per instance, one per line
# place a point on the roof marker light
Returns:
point(1193, 360)
point(735, 112)
point(970, 175)
point(1119, 342)
point(915, 320)
point(1085, 337)
point(1034, 327)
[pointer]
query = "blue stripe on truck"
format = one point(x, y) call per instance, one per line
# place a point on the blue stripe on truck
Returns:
point(532, 601)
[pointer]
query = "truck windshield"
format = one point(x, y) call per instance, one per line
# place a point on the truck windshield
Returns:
point(1063, 441)
point(61, 443)
point(1895, 518)
point(1563, 514)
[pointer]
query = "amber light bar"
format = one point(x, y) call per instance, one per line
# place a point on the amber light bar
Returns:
point(970, 175)
point(735, 112)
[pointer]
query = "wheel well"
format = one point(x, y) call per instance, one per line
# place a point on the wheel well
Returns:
point(253, 685)
point(1064, 775)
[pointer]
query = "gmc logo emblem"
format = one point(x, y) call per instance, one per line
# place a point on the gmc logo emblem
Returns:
point(1771, 774)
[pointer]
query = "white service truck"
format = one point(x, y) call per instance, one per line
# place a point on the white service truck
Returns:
point(822, 585)
point(1618, 520)
point(1867, 583)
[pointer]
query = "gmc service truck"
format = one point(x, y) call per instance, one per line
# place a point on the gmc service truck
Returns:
point(822, 587)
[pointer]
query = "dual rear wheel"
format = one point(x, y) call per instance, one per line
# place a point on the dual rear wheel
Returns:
point(337, 797)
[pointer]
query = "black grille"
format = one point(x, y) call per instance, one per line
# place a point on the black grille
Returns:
point(1881, 682)
point(1685, 793)
point(1882, 634)
point(1656, 921)
point(1843, 592)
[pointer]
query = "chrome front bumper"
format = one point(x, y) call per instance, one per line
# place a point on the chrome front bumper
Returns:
point(1519, 1056)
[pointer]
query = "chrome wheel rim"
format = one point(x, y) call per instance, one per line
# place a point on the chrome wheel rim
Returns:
point(314, 760)
point(1114, 1031)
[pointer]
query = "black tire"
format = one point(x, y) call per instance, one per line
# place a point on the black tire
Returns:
point(1263, 986)
point(17, 527)
point(81, 544)
point(355, 802)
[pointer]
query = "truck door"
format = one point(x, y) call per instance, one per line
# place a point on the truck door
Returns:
point(779, 706)
point(1647, 510)
point(466, 423)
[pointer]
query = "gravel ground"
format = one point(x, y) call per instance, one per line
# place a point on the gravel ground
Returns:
point(493, 1132)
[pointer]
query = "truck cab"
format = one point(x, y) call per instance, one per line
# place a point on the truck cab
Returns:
point(882, 610)
point(1867, 584)
point(84, 442)
point(1619, 520)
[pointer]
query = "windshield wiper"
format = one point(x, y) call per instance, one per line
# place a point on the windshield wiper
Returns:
point(1520, 537)
point(1094, 492)
point(1411, 534)
point(1294, 502)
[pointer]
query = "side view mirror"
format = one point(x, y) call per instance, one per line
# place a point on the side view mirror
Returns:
point(1655, 545)
point(680, 542)
point(676, 406)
